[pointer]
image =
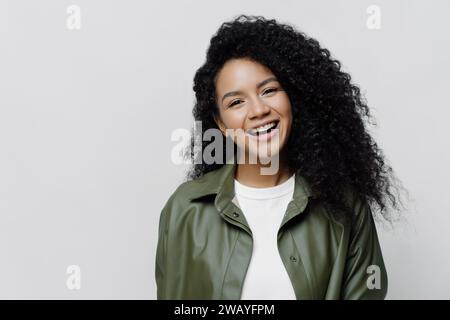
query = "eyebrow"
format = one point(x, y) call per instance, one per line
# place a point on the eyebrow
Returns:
point(234, 93)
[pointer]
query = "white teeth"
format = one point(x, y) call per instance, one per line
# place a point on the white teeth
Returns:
point(262, 128)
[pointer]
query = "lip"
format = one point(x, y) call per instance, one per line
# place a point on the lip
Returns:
point(266, 136)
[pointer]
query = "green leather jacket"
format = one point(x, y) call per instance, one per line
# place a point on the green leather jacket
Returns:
point(205, 245)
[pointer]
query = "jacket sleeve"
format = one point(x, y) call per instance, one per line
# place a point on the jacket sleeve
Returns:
point(365, 274)
point(160, 261)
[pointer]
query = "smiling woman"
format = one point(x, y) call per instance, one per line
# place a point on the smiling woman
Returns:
point(305, 231)
point(258, 106)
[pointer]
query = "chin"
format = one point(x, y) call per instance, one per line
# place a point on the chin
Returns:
point(263, 155)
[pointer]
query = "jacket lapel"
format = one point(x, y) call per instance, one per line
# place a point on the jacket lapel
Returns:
point(220, 183)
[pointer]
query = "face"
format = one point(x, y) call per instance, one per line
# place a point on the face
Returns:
point(253, 104)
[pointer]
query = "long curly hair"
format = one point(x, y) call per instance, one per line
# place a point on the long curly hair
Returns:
point(329, 144)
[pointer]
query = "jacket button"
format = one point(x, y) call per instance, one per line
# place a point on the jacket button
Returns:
point(235, 214)
point(293, 259)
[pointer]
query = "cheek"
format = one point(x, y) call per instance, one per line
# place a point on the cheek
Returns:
point(234, 120)
point(285, 110)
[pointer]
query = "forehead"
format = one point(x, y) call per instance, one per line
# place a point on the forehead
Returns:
point(239, 73)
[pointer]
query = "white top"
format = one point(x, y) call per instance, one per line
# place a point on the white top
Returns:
point(264, 209)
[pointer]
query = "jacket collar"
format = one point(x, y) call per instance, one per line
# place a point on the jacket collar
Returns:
point(221, 183)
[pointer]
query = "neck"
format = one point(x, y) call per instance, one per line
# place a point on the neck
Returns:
point(250, 174)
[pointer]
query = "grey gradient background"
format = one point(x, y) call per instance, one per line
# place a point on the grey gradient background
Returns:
point(86, 118)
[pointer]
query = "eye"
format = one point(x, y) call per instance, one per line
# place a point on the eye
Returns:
point(270, 90)
point(233, 103)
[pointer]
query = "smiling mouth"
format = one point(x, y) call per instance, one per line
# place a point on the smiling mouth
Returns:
point(266, 129)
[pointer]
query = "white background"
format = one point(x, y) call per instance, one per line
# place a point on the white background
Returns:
point(86, 118)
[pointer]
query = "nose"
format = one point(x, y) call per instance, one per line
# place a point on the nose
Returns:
point(258, 109)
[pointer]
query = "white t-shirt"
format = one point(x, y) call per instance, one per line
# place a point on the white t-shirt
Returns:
point(264, 209)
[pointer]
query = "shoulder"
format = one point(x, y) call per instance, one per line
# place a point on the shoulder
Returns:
point(209, 183)
point(360, 218)
point(175, 204)
point(182, 195)
point(357, 212)
point(187, 191)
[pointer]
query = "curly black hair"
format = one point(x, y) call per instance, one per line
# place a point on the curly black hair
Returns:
point(329, 144)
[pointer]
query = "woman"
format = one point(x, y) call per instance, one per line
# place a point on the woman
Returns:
point(296, 223)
